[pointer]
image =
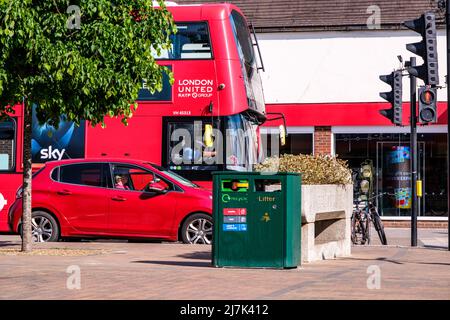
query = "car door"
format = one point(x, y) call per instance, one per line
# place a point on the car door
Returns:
point(137, 204)
point(79, 194)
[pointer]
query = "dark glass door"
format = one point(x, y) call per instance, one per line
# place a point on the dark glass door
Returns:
point(393, 177)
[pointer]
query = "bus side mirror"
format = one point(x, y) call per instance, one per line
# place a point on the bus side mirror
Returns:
point(282, 130)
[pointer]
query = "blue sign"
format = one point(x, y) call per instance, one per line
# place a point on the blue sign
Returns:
point(49, 143)
point(235, 227)
point(231, 219)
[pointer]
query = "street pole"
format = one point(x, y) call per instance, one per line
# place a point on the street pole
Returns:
point(447, 20)
point(413, 147)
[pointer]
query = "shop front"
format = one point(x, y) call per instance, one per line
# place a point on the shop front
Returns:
point(389, 150)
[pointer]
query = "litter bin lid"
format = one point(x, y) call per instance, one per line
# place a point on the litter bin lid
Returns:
point(245, 173)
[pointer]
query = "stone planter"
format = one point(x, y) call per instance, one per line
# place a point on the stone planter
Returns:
point(326, 214)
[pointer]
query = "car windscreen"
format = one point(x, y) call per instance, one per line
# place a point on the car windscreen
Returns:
point(176, 177)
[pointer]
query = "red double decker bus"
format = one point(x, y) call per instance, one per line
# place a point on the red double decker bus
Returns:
point(192, 127)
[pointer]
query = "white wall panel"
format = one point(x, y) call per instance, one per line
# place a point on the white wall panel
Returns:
point(320, 67)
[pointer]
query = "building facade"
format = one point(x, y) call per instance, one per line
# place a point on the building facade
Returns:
point(322, 64)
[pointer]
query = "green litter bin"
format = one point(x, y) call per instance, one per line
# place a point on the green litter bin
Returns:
point(256, 220)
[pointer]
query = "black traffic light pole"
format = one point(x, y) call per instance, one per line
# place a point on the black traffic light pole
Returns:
point(413, 146)
point(425, 25)
point(447, 19)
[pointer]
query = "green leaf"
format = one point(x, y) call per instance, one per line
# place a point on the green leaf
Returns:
point(88, 73)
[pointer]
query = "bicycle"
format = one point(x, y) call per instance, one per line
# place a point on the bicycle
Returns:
point(359, 224)
point(361, 219)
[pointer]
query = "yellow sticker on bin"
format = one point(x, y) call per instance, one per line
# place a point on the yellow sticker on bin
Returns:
point(242, 184)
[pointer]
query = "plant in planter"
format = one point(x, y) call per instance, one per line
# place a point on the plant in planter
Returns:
point(327, 202)
point(315, 169)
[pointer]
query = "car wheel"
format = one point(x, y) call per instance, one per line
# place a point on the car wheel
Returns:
point(197, 229)
point(44, 227)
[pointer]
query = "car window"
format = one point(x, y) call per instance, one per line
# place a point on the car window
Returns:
point(55, 174)
point(137, 179)
point(7, 144)
point(87, 174)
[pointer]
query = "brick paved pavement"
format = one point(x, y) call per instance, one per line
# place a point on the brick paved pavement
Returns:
point(177, 271)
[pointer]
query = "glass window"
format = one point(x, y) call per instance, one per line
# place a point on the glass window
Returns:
point(197, 145)
point(137, 179)
point(296, 143)
point(193, 145)
point(390, 154)
point(175, 176)
point(55, 174)
point(7, 144)
point(87, 174)
point(243, 144)
point(243, 39)
point(252, 79)
point(165, 94)
point(190, 42)
point(235, 140)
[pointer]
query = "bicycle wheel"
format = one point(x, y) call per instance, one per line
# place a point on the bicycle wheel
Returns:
point(379, 227)
point(358, 232)
point(354, 235)
point(367, 229)
point(353, 226)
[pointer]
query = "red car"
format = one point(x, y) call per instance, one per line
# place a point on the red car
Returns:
point(115, 198)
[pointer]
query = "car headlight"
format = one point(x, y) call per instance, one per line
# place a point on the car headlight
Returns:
point(210, 197)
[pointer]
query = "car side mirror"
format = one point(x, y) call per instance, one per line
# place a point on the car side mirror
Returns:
point(157, 190)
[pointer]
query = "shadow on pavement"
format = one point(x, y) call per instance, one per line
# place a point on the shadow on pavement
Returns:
point(378, 259)
point(7, 244)
point(430, 246)
point(387, 260)
point(204, 255)
point(177, 263)
point(434, 263)
point(144, 241)
point(397, 262)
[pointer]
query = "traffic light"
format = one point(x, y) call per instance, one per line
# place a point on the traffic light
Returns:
point(427, 105)
point(394, 97)
point(427, 48)
point(366, 173)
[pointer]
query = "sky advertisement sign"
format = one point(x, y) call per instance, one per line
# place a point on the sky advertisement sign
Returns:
point(49, 143)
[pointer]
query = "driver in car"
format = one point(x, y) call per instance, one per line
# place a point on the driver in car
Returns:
point(121, 182)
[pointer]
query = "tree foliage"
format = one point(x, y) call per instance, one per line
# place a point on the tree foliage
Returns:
point(82, 59)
